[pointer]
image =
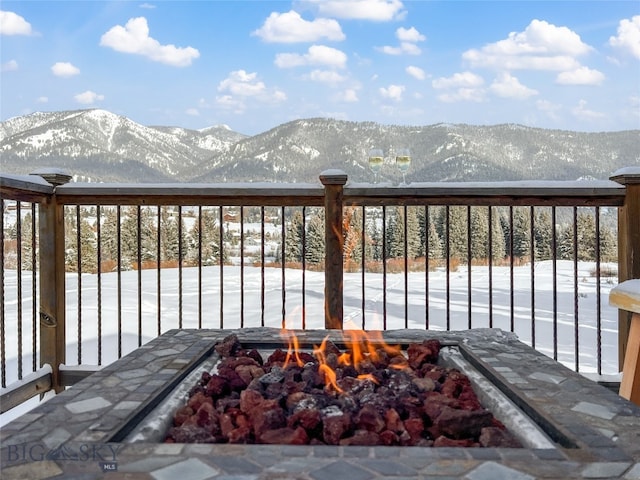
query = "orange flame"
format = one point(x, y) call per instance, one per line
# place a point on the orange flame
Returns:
point(368, 376)
point(293, 348)
point(329, 377)
point(362, 346)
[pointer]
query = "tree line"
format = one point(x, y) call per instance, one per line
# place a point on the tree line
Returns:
point(148, 236)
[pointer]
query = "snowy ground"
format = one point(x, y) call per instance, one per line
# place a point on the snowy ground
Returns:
point(567, 351)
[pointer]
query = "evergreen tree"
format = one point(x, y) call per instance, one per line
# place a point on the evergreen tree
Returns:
point(208, 240)
point(457, 237)
point(26, 232)
point(169, 234)
point(479, 233)
point(86, 241)
point(394, 233)
point(129, 235)
point(543, 235)
point(521, 232)
point(315, 251)
point(108, 234)
point(293, 238)
point(608, 245)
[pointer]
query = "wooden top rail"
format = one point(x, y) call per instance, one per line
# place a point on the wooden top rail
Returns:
point(192, 194)
point(25, 188)
point(559, 193)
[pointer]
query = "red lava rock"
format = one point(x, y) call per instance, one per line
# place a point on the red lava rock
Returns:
point(497, 437)
point(182, 415)
point(228, 346)
point(240, 435)
point(198, 399)
point(362, 437)
point(443, 441)
point(190, 434)
point(217, 386)
point(425, 352)
point(368, 418)
point(456, 423)
point(309, 419)
point(267, 416)
point(249, 399)
point(400, 401)
point(415, 429)
point(335, 427)
point(286, 435)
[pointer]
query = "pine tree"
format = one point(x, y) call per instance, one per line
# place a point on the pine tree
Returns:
point(479, 233)
point(26, 232)
point(293, 238)
point(108, 234)
point(543, 235)
point(521, 232)
point(608, 245)
point(207, 240)
point(457, 235)
point(315, 251)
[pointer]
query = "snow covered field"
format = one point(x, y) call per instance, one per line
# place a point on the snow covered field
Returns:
point(586, 348)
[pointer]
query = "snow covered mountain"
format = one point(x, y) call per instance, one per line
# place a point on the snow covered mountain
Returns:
point(98, 145)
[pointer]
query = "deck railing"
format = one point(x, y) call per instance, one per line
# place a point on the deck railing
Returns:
point(56, 291)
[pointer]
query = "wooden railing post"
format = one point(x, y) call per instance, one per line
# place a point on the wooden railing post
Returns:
point(333, 181)
point(628, 245)
point(52, 281)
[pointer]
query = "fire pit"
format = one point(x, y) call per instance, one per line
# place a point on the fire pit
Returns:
point(371, 393)
point(118, 418)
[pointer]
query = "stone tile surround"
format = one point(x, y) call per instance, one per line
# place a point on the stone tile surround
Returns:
point(69, 436)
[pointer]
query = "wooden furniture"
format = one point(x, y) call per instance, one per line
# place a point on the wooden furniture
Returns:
point(626, 296)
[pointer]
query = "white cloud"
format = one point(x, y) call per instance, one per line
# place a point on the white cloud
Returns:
point(193, 112)
point(13, 24)
point(290, 27)
point(134, 38)
point(465, 86)
point(9, 66)
point(416, 72)
point(88, 97)
point(148, 6)
point(240, 85)
point(350, 95)
point(628, 38)
point(326, 76)
point(405, 48)
point(239, 82)
point(583, 113)
point(64, 69)
point(376, 10)
point(410, 35)
point(316, 55)
point(580, 76)
point(508, 86)
point(42, 100)
point(408, 39)
point(542, 46)
point(463, 95)
point(458, 80)
point(393, 92)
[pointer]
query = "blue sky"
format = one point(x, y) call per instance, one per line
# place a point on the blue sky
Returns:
point(253, 65)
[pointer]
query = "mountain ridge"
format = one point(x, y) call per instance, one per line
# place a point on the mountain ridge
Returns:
point(97, 145)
